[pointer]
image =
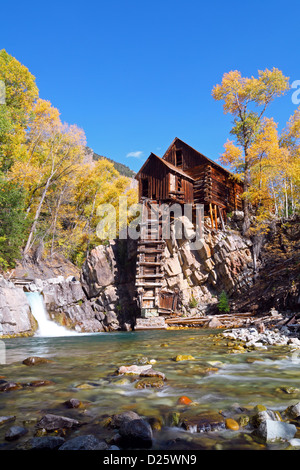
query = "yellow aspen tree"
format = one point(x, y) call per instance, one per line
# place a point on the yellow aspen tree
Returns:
point(247, 99)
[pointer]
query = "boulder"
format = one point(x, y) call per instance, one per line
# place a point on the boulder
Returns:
point(119, 419)
point(46, 443)
point(16, 318)
point(136, 433)
point(270, 431)
point(51, 422)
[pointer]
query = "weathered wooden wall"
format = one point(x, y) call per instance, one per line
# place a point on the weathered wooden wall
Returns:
point(212, 184)
point(164, 184)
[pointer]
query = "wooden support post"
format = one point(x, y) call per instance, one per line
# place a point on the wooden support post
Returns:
point(211, 215)
point(216, 217)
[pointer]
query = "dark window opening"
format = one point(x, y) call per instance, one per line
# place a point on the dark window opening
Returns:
point(179, 159)
point(145, 187)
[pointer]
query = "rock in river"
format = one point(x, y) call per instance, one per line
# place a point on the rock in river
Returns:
point(184, 357)
point(270, 431)
point(46, 443)
point(8, 386)
point(52, 422)
point(232, 424)
point(154, 382)
point(118, 420)
point(136, 433)
point(184, 400)
point(34, 360)
point(15, 432)
point(88, 442)
point(73, 403)
point(134, 369)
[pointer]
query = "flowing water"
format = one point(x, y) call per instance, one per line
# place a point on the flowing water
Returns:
point(83, 367)
point(46, 327)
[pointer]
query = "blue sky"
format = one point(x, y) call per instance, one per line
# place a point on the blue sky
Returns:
point(135, 74)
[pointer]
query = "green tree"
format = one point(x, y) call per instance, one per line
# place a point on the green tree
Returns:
point(13, 223)
point(223, 305)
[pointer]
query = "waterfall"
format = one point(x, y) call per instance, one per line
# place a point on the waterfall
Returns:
point(46, 327)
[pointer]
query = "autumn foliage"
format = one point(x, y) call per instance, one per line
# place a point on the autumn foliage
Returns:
point(266, 160)
point(49, 192)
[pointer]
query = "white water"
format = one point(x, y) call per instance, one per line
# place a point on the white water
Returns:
point(46, 327)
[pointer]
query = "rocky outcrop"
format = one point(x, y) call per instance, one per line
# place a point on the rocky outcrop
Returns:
point(108, 279)
point(15, 314)
point(68, 305)
point(223, 261)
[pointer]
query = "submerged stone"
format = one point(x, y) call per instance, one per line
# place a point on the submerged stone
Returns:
point(41, 383)
point(6, 419)
point(88, 442)
point(9, 386)
point(73, 403)
point(15, 432)
point(184, 357)
point(184, 400)
point(151, 382)
point(232, 424)
point(153, 373)
point(34, 360)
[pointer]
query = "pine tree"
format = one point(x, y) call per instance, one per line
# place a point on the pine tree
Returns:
point(223, 304)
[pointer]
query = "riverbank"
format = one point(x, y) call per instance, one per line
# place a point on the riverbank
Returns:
point(192, 391)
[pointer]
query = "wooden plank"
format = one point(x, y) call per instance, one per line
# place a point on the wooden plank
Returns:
point(216, 221)
point(146, 276)
point(211, 215)
point(149, 284)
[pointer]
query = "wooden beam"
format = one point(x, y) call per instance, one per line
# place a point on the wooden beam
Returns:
point(216, 217)
point(211, 215)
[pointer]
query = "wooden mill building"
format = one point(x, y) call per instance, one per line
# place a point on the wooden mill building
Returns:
point(182, 175)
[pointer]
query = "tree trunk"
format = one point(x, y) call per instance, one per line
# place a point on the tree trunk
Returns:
point(246, 205)
point(36, 218)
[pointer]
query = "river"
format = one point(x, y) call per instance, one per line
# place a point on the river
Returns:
point(83, 367)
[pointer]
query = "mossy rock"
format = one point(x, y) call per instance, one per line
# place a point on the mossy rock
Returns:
point(151, 382)
point(184, 357)
point(243, 420)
